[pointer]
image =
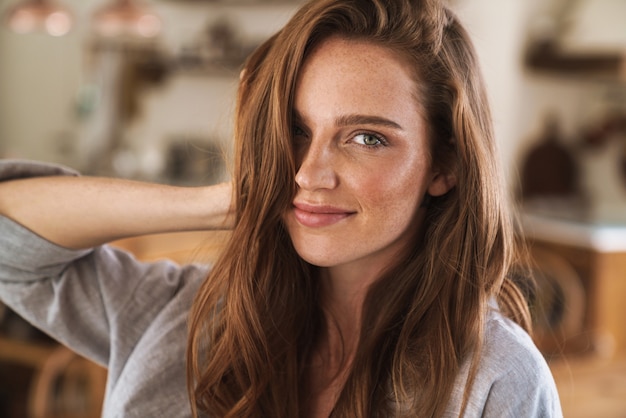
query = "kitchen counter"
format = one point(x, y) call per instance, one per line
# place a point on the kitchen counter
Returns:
point(596, 235)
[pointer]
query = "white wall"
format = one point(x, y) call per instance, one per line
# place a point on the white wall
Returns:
point(522, 99)
point(41, 78)
point(498, 31)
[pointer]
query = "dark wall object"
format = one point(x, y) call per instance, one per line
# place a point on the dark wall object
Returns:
point(549, 169)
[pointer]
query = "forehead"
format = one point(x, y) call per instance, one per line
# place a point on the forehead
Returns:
point(347, 55)
point(354, 75)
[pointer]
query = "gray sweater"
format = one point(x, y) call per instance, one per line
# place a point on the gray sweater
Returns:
point(131, 317)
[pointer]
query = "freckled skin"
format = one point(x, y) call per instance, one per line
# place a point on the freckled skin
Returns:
point(376, 172)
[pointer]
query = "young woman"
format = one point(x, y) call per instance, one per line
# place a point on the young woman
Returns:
point(368, 273)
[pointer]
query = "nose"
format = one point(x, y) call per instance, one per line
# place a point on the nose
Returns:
point(317, 168)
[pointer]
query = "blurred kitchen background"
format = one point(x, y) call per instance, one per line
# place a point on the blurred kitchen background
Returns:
point(146, 90)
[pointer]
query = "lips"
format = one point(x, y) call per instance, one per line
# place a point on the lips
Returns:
point(318, 216)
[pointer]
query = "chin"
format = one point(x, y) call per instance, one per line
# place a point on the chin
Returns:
point(317, 259)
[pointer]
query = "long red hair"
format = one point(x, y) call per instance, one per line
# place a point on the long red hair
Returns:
point(258, 312)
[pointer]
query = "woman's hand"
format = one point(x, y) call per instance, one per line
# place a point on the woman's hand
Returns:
point(82, 212)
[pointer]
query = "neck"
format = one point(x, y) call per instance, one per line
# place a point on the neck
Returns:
point(342, 302)
point(343, 293)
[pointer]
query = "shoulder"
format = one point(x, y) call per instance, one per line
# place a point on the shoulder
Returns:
point(509, 350)
point(513, 378)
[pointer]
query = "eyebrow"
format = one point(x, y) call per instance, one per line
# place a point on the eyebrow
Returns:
point(348, 120)
point(357, 119)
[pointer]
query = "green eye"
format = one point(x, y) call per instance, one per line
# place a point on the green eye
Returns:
point(368, 139)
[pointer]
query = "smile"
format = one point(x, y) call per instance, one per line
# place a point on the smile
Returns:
point(319, 216)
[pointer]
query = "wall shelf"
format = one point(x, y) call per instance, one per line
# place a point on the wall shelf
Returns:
point(608, 66)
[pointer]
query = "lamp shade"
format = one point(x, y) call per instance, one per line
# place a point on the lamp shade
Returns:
point(126, 18)
point(39, 15)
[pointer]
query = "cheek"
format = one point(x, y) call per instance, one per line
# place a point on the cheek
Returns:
point(399, 186)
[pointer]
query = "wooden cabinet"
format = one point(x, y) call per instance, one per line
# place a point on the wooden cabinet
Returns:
point(591, 283)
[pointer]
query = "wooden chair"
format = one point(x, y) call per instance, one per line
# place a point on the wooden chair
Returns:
point(64, 385)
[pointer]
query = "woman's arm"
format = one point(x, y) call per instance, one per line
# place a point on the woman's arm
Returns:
point(82, 212)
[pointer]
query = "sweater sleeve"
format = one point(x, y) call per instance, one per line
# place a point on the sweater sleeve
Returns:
point(19, 169)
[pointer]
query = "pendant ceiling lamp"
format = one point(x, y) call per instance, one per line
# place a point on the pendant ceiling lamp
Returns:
point(127, 18)
point(39, 15)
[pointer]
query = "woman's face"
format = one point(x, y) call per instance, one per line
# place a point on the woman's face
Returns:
point(363, 158)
